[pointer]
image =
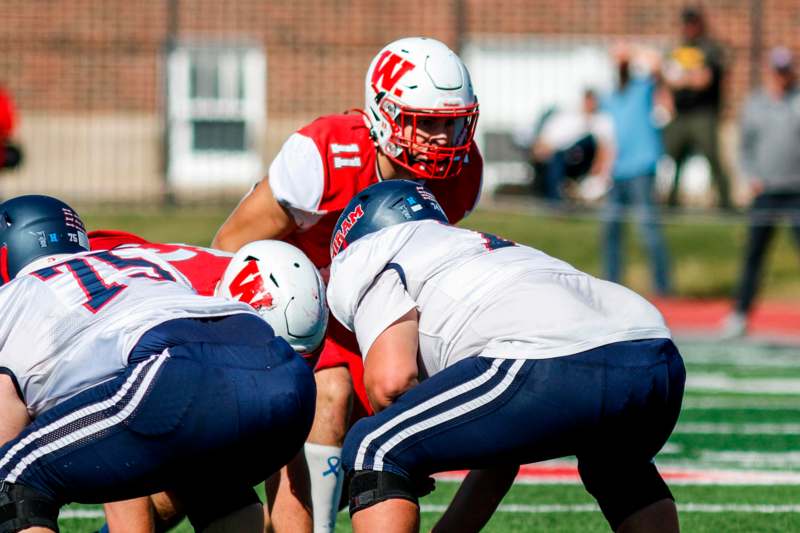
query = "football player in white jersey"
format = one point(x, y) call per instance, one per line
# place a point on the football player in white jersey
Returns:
point(279, 282)
point(482, 354)
point(118, 380)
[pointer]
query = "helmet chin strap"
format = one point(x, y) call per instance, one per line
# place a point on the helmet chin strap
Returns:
point(378, 170)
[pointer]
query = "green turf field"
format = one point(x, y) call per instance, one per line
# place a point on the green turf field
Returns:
point(741, 411)
point(744, 427)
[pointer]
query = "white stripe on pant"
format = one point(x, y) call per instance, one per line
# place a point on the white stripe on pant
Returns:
point(450, 414)
point(85, 411)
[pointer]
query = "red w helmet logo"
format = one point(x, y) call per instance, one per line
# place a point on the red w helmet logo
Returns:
point(388, 71)
point(248, 287)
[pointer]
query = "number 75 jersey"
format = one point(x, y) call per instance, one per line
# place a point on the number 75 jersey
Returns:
point(69, 322)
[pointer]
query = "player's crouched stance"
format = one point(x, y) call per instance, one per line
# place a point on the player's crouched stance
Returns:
point(118, 381)
point(524, 358)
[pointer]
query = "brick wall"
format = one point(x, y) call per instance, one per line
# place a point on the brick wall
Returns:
point(75, 58)
point(90, 55)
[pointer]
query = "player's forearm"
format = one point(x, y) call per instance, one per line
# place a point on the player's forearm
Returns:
point(476, 500)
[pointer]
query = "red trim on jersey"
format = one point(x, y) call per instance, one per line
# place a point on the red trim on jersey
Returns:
point(107, 239)
point(4, 264)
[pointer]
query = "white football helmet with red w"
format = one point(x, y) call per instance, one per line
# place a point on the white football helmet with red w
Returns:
point(413, 80)
point(284, 286)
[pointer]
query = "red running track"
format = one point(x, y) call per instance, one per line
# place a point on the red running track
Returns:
point(769, 318)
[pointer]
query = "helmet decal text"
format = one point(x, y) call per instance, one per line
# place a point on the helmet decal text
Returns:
point(347, 224)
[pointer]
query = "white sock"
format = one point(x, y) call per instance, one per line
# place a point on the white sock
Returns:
point(324, 465)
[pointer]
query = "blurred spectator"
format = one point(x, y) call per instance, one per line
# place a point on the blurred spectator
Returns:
point(638, 149)
point(770, 158)
point(10, 153)
point(694, 73)
point(571, 143)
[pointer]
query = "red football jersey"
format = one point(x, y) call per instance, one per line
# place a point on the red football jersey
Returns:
point(323, 165)
point(203, 267)
point(319, 169)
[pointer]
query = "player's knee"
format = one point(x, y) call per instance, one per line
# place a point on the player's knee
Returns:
point(334, 388)
point(624, 490)
point(368, 487)
point(354, 439)
point(25, 507)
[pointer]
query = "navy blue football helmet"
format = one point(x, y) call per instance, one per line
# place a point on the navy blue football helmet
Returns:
point(35, 226)
point(382, 205)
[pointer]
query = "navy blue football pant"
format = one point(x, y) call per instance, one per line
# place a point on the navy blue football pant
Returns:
point(613, 407)
point(223, 407)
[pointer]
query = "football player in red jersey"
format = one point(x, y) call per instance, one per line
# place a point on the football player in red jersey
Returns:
point(418, 123)
point(276, 279)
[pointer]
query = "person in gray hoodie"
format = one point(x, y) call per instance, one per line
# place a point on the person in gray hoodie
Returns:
point(770, 135)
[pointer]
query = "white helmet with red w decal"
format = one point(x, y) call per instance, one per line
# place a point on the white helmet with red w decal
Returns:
point(409, 84)
point(284, 286)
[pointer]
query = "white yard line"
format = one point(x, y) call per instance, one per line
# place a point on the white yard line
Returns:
point(721, 428)
point(68, 514)
point(71, 514)
point(748, 459)
point(725, 383)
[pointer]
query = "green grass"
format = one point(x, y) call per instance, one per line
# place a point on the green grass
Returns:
point(591, 521)
point(192, 226)
point(686, 450)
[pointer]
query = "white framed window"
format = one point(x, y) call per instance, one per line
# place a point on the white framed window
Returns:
point(216, 113)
